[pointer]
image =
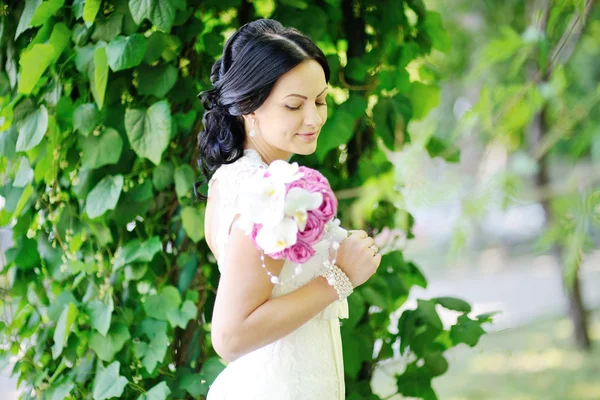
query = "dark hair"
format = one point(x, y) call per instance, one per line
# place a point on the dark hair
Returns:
point(253, 59)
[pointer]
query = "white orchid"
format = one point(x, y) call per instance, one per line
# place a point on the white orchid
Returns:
point(284, 172)
point(298, 202)
point(279, 237)
point(264, 202)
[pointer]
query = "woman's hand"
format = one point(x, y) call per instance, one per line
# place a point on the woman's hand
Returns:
point(358, 257)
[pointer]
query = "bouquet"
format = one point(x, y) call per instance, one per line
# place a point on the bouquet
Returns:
point(286, 210)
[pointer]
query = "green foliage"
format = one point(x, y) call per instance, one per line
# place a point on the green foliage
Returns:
point(98, 121)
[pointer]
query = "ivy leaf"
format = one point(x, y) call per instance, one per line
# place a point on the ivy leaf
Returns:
point(60, 392)
point(8, 142)
point(137, 251)
point(98, 75)
point(106, 347)
point(426, 310)
point(212, 368)
point(160, 12)
point(194, 384)
point(193, 223)
point(466, 331)
point(125, 52)
point(158, 392)
point(90, 10)
point(108, 383)
point(435, 30)
point(33, 63)
point(101, 150)
point(184, 180)
point(85, 118)
point(33, 129)
point(452, 303)
point(63, 329)
point(24, 175)
point(423, 98)
point(107, 29)
point(100, 313)
point(104, 196)
point(181, 317)
point(26, 17)
point(161, 305)
point(155, 352)
point(157, 81)
point(334, 133)
point(391, 116)
point(149, 131)
point(162, 176)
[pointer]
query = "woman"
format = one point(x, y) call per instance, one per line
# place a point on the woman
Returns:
point(282, 341)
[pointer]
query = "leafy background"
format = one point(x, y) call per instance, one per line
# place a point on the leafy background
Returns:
point(109, 287)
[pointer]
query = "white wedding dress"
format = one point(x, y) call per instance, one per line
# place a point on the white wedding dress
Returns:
point(304, 365)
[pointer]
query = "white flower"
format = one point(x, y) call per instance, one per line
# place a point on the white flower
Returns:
point(284, 172)
point(298, 202)
point(279, 237)
point(263, 203)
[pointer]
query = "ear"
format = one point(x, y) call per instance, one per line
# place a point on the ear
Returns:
point(249, 117)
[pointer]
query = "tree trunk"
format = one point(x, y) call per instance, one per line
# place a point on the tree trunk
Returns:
point(537, 132)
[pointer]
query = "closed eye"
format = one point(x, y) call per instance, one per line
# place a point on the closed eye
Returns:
point(297, 108)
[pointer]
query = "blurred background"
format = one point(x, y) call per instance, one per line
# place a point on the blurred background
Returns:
point(465, 135)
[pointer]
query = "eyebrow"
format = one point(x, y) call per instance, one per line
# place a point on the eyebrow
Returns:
point(304, 97)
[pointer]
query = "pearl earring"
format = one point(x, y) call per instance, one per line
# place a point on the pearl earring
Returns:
point(252, 132)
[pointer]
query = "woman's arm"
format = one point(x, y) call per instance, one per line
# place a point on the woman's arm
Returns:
point(244, 319)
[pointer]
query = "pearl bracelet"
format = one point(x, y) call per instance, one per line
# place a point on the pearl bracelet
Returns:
point(339, 280)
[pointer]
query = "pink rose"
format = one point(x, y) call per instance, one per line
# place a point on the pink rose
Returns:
point(313, 175)
point(328, 207)
point(301, 252)
point(313, 231)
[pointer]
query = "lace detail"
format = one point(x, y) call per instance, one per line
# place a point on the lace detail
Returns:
point(308, 363)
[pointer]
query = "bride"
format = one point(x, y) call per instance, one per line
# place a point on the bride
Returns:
point(282, 340)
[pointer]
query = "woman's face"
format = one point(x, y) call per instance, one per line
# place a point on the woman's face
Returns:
point(290, 119)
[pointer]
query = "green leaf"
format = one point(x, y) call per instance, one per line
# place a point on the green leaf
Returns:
point(126, 52)
point(436, 32)
point(149, 131)
point(160, 12)
point(334, 133)
point(157, 81)
point(137, 251)
point(63, 329)
point(90, 10)
point(181, 317)
point(211, 369)
point(33, 63)
point(104, 196)
point(426, 310)
point(98, 75)
point(158, 392)
point(184, 180)
point(391, 116)
point(160, 305)
point(162, 176)
point(101, 150)
point(33, 129)
point(466, 331)
point(8, 142)
point(46, 10)
point(194, 384)
point(106, 347)
point(155, 352)
point(193, 223)
point(108, 29)
point(108, 383)
point(24, 175)
point(85, 118)
point(436, 363)
point(452, 303)
point(100, 313)
point(60, 392)
point(26, 17)
point(59, 39)
point(158, 42)
point(423, 98)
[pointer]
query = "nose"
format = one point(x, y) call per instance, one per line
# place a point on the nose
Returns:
point(312, 117)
